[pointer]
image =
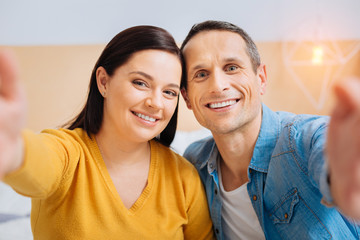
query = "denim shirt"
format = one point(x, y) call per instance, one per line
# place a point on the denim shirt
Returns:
point(287, 179)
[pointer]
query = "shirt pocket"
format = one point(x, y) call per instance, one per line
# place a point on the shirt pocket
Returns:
point(293, 219)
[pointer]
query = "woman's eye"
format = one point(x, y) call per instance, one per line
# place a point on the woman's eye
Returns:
point(139, 83)
point(231, 68)
point(171, 93)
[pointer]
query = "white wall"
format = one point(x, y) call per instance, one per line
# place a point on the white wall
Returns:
point(44, 22)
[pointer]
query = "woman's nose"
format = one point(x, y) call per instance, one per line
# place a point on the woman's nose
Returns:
point(155, 101)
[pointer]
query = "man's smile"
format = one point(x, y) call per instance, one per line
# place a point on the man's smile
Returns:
point(222, 104)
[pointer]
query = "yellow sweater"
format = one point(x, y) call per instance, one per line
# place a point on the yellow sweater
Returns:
point(73, 196)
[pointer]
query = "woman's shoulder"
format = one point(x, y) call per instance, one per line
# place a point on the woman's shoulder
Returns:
point(60, 137)
point(62, 134)
point(65, 133)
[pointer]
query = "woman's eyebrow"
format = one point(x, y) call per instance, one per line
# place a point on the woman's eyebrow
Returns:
point(143, 74)
point(173, 85)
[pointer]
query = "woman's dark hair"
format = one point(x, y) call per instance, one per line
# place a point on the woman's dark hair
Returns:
point(222, 26)
point(116, 53)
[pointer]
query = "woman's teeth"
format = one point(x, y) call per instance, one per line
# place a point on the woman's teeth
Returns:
point(147, 118)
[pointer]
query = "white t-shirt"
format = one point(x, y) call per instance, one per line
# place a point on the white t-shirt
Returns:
point(239, 220)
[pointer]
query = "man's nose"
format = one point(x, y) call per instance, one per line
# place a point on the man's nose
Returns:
point(218, 81)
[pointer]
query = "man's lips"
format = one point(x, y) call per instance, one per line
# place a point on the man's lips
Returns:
point(222, 104)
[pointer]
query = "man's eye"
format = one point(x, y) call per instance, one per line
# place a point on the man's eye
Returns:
point(231, 68)
point(201, 75)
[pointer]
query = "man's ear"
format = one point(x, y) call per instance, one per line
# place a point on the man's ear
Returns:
point(262, 75)
point(102, 79)
point(186, 98)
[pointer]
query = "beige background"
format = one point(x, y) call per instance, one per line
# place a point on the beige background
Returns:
point(56, 79)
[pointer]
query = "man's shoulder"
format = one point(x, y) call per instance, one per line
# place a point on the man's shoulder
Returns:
point(284, 121)
point(304, 122)
point(199, 151)
point(300, 131)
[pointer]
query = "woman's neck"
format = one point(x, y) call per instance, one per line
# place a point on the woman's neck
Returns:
point(128, 164)
point(116, 151)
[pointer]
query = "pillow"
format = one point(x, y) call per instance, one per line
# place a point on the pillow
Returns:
point(14, 214)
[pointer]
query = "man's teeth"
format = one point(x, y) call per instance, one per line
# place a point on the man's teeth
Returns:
point(222, 104)
point(147, 118)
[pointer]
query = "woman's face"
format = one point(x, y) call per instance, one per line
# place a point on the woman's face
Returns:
point(141, 96)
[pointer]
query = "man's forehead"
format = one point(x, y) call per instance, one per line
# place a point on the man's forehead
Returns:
point(215, 43)
point(214, 38)
point(214, 35)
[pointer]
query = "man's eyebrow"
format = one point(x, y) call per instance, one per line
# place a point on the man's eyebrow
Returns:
point(197, 67)
point(233, 59)
point(152, 79)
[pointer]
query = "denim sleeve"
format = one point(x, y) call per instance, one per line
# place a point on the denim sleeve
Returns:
point(327, 199)
point(318, 171)
point(311, 141)
point(317, 164)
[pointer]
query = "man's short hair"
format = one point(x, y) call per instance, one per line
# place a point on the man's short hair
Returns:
point(210, 25)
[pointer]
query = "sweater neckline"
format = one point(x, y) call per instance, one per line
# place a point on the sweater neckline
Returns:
point(139, 203)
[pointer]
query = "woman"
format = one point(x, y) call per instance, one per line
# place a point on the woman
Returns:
point(108, 176)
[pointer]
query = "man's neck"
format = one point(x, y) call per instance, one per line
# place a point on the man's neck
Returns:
point(236, 150)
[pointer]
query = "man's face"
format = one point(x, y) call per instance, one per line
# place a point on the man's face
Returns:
point(223, 90)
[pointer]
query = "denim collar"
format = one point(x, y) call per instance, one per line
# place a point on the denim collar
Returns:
point(269, 133)
point(211, 157)
point(266, 141)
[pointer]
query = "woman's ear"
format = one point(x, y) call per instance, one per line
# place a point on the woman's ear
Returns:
point(186, 98)
point(102, 79)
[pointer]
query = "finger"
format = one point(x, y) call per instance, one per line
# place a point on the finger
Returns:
point(348, 97)
point(9, 74)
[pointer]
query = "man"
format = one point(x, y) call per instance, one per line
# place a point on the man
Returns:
point(264, 172)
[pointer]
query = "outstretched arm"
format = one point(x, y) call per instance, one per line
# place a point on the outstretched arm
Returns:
point(343, 148)
point(12, 114)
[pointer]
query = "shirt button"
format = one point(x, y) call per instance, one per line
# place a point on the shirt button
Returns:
point(211, 165)
point(254, 197)
point(217, 231)
point(286, 216)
